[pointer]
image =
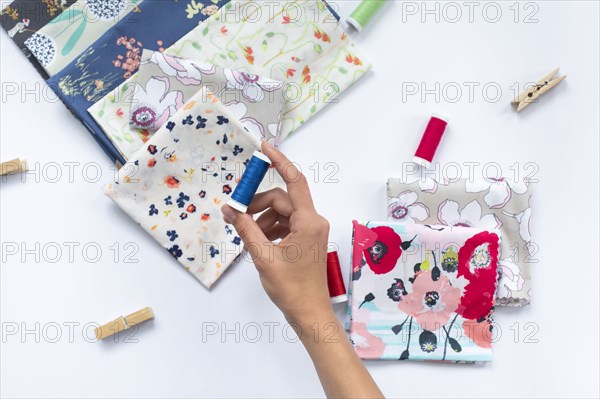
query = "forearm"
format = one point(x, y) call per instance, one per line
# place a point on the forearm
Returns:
point(340, 370)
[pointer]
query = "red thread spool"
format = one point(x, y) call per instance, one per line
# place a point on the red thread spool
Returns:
point(335, 281)
point(431, 140)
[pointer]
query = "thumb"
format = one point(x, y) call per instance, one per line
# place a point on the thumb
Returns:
point(246, 227)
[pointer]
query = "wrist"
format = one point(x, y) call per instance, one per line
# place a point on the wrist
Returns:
point(316, 326)
point(311, 314)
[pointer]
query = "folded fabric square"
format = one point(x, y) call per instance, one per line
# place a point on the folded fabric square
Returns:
point(487, 203)
point(299, 42)
point(421, 292)
point(69, 34)
point(176, 184)
point(23, 18)
point(115, 56)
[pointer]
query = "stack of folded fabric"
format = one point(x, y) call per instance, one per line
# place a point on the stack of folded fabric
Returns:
point(424, 284)
point(180, 93)
point(92, 49)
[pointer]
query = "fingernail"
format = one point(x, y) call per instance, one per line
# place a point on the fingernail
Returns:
point(229, 214)
point(267, 144)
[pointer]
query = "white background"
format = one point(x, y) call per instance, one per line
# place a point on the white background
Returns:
point(369, 134)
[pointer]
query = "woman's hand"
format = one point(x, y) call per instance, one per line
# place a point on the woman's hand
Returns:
point(294, 275)
point(293, 272)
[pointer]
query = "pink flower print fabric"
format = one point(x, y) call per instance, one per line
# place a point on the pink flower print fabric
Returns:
point(176, 184)
point(165, 82)
point(499, 203)
point(421, 292)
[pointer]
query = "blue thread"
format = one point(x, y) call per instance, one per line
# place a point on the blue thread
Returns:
point(253, 175)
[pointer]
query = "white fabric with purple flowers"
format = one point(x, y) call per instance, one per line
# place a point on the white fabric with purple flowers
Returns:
point(165, 83)
point(498, 203)
point(131, 113)
point(176, 184)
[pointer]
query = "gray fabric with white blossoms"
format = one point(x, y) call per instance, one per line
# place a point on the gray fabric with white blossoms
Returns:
point(166, 82)
point(487, 203)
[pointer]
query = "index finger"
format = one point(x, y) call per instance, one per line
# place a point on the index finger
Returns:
point(294, 179)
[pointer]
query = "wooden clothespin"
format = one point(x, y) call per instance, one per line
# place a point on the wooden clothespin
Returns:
point(13, 167)
point(124, 322)
point(531, 95)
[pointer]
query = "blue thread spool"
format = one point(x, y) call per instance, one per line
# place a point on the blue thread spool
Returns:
point(253, 175)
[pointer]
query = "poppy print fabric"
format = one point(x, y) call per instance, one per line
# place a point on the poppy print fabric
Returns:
point(175, 185)
point(298, 42)
point(69, 34)
point(421, 292)
point(499, 203)
point(164, 83)
point(23, 18)
point(116, 56)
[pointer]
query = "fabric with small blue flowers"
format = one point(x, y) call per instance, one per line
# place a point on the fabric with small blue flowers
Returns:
point(175, 185)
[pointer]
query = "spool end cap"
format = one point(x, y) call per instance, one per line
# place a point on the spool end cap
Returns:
point(443, 117)
point(354, 23)
point(237, 206)
point(421, 162)
point(339, 299)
